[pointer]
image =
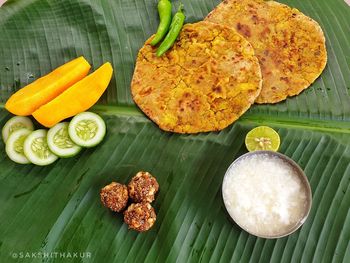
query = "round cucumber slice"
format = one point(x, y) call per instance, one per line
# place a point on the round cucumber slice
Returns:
point(14, 124)
point(14, 146)
point(36, 149)
point(87, 129)
point(59, 141)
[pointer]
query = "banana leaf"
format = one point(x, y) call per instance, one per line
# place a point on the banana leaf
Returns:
point(56, 209)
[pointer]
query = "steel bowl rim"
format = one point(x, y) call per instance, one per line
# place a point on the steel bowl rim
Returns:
point(301, 175)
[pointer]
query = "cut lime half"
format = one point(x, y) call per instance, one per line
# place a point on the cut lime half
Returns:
point(262, 138)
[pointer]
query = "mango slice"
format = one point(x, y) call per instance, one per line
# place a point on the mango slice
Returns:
point(78, 98)
point(28, 99)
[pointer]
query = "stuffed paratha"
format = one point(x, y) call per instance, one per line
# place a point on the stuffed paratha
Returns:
point(289, 45)
point(206, 81)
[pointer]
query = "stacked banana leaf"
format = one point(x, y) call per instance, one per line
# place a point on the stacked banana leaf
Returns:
point(57, 208)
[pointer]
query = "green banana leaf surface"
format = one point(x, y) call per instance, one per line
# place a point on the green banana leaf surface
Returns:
point(57, 208)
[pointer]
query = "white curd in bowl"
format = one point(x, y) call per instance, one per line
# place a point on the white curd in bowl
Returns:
point(266, 195)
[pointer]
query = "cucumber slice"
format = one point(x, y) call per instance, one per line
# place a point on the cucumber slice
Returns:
point(36, 149)
point(16, 123)
point(14, 146)
point(59, 142)
point(87, 129)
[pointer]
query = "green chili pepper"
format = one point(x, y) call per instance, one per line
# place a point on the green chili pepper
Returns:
point(164, 10)
point(175, 28)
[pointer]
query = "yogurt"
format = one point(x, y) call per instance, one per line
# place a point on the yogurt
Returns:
point(265, 195)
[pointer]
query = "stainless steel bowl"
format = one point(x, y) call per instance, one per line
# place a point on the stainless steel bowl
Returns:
point(303, 179)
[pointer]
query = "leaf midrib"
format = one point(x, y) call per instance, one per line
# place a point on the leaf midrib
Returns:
point(332, 126)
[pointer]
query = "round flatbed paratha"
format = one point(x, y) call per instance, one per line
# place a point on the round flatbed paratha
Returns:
point(289, 45)
point(205, 82)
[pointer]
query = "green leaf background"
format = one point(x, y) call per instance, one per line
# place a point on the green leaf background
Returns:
point(57, 208)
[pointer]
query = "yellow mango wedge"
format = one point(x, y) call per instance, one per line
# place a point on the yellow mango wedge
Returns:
point(78, 98)
point(28, 99)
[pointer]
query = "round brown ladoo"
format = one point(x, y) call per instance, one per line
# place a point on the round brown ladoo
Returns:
point(140, 216)
point(143, 187)
point(114, 196)
point(289, 45)
point(205, 82)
